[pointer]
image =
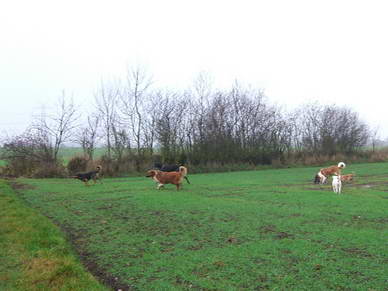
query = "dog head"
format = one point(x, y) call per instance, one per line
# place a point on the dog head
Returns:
point(347, 178)
point(317, 179)
point(151, 173)
point(99, 168)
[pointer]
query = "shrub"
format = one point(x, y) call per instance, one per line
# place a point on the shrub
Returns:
point(77, 164)
point(50, 170)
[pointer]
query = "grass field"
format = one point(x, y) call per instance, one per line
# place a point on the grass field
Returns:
point(34, 254)
point(258, 230)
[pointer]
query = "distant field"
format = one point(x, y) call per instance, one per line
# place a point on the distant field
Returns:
point(257, 230)
point(67, 153)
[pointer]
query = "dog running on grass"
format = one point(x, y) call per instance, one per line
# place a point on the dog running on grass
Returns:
point(92, 175)
point(169, 168)
point(337, 184)
point(163, 178)
point(323, 174)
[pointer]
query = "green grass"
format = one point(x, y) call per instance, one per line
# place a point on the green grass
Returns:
point(34, 255)
point(254, 230)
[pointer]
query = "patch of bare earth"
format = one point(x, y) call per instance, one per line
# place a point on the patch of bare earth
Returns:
point(88, 260)
point(17, 186)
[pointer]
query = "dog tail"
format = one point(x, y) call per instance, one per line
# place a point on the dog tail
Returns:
point(183, 171)
point(341, 165)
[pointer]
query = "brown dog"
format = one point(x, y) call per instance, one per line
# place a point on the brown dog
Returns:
point(323, 174)
point(347, 178)
point(163, 178)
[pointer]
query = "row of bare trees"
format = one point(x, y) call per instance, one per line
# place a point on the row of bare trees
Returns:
point(36, 151)
point(138, 124)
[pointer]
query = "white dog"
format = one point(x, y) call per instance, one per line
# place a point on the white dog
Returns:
point(337, 184)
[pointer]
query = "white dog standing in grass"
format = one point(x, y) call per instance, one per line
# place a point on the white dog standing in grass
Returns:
point(337, 184)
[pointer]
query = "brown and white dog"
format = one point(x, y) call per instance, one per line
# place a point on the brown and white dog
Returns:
point(163, 178)
point(323, 174)
point(347, 178)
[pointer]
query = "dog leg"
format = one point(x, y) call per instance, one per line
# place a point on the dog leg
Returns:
point(160, 185)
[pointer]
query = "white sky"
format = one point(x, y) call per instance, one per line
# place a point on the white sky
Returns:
point(297, 51)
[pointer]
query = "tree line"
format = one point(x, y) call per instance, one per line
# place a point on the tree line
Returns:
point(203, 127)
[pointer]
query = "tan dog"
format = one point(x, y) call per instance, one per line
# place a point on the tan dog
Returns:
point(163, 178)
point(347, 178)
point(324, 173)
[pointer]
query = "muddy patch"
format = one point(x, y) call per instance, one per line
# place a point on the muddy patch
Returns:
point(382, 220)
point(18, 186)
point(283, 235)
point(276, 234)
point(279, 192)
point(357, 252)
point(88, 260)
point(319, 188)
point(268, 228)
point(229, 194)
point(350, 185)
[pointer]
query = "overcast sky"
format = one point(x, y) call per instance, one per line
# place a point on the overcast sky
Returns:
point(297, 51)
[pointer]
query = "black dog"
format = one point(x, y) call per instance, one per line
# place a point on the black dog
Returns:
point(169, 168)
point(92, 175)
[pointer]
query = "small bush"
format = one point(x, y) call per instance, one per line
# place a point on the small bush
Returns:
point(3, 171)
point(77, 164)
point(50, 170)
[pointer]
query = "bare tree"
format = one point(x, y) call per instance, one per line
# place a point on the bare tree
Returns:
point(133, 98)
point(88, 136)
point(35, 152)
point(329, 129)
point(56, 127)
point(106, 101)
point(374, 136)
point(171, 125)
